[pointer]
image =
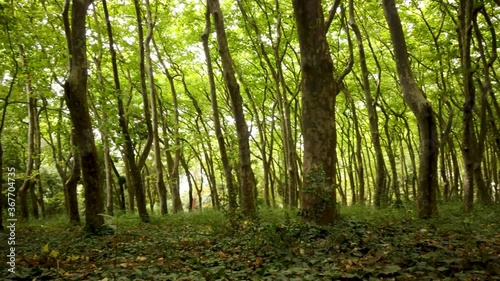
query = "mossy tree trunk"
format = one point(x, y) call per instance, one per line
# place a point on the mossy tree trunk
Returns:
point(319, 90)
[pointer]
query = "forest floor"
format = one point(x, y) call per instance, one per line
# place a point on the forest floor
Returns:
point(367, 244)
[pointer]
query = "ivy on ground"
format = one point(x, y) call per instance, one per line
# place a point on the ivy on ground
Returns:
point(277, 246)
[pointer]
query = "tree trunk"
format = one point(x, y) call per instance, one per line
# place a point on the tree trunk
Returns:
point(404, 169)
point(109, 177)
point(319, 90)
point(75, 90)
point(130, 185)
point(246, 173)
point(173, 173)
point(441, 82)
point(121, 182)
point(372, 114)
point(392, 160)
point(268, 182)
point(454, 192)
point(189, 176)
point(133, 169)
point(71, 184)
point(102, 118)
point(140, 195)
point(160, 182)
point(464, 29)
point(358, 159)
point(29, 181)
point(199, 189)
point(422, 109)
point(228, 169)
point(37, 163)
point(56, 147)
point(212, 181)
point(486, 89)
point(1, 169)
point(445, 129)
point(146, 178)
point(177, 154)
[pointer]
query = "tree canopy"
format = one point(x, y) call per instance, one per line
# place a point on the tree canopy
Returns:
point(163, 106)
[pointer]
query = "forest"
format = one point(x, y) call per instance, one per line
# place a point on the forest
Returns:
point(249, 140)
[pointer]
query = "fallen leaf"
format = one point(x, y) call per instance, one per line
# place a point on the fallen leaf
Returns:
point(222, 255)
point(258, 262)
point(141, 259)
point(45, 248)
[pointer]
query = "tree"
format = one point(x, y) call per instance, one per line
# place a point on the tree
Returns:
point(228, 169)
point(319, 90)
point(70, 185)
point(421, 107)
point(246, 172)
point(372, 112)
point(29, 181)
point(160, 182)
point(75, 91)
point(133, 168)
point(136, 168)
point(254, 106)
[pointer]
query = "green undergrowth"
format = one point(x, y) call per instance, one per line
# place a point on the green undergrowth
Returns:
point(367, 244)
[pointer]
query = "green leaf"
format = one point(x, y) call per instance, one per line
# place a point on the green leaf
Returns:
point(391, 269)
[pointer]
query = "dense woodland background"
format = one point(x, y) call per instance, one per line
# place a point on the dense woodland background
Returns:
point(172, 106)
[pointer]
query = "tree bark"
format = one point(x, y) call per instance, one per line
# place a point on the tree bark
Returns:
point(71, 184)
point(228, 169)
point(174, 165)
point(133, 169)
point(129, 183)
point(391, 154)
point(358, 159)
point(246, 173)
point(29, 181)
point(121, 182)
point(189, 176)
point(102, 119)
point(160, 182)
point(109, 177)
point(422, 109)
point(483, 188)
point(372, 114)
point(56, 146)
point(464, 29)
point(289, 144)
point(319, 90)
point(136, 168)
point(75, 90)
point(37, 165)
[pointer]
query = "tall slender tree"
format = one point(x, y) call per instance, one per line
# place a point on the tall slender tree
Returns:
point(139, 184)
point(246, 173)
point(372, 112)
point(422, 109)
point(29, 181)
point(160, 182)
point(75, 91)
point(228, 169)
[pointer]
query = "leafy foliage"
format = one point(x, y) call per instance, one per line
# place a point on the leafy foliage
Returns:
point(278, 246)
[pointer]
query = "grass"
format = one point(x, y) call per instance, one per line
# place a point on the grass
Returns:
point(367, 244)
